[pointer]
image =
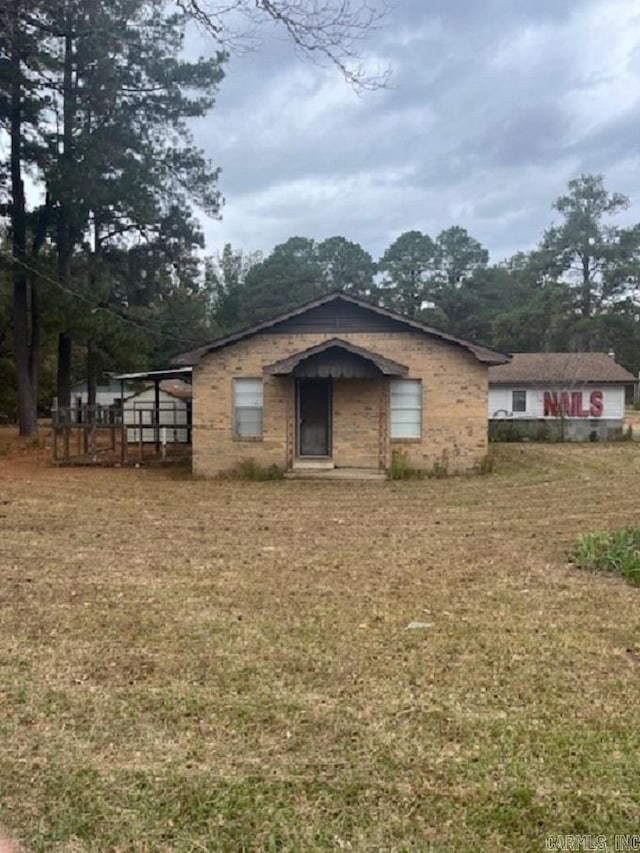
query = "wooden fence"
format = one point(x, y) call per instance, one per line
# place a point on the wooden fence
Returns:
point(107, 435)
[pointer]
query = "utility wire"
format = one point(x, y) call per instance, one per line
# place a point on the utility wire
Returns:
point(94, 308)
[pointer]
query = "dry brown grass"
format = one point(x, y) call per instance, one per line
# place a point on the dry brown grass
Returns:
point(190, 665)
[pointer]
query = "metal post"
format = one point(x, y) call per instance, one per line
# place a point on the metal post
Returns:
point(124, 438)
point(93, 417)
point(66, 433)
point(156, 413)
point(86, 420)
point(54, 430)
point(54, 437)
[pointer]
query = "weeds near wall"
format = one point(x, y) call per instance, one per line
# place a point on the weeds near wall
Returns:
point(253, 471)
point(610, 551)
point(511, 431)
point(439, 470)
point(487, 464)
point(401, 470)
point(507, 431)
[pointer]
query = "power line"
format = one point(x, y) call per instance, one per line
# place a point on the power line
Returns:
point(100, 307)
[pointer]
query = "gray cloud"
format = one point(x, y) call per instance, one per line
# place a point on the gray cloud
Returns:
point(493, 107)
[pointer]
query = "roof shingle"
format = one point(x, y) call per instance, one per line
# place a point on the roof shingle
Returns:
point(533, 368)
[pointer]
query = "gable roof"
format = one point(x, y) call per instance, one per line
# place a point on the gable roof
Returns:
point(177, 388)
point(533, 368)
point(385, 365)
point(482, 354)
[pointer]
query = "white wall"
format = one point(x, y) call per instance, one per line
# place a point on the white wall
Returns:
point(173, 416)
point(500, 400)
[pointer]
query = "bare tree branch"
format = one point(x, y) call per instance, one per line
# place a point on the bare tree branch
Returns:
point(331, 31)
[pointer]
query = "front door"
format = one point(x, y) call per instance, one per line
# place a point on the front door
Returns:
point(314, 417)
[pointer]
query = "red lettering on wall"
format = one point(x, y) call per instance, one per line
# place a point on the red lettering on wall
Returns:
point(571, 404)
point(551, 409)
point(576, 402)
point(597, 405)
point(566, 407)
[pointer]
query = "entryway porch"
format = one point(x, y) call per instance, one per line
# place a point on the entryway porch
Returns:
point(339, 411)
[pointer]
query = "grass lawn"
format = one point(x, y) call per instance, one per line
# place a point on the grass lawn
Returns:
point(214, 666)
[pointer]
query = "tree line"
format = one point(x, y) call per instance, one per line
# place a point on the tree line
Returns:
point(577, 290)
point(100, 177)
point(102, 258)
point(137, 305)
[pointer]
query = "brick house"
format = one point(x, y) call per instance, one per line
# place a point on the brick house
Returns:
point(339, 384)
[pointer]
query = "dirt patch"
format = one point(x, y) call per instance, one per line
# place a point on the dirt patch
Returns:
point(20, 457)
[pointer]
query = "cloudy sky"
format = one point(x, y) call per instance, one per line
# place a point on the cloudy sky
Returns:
point(493, 106)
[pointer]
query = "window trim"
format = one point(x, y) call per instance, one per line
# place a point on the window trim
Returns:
point(419, 409)
point(234, 407)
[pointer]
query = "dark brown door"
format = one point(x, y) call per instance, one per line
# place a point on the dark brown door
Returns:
point(314, 417)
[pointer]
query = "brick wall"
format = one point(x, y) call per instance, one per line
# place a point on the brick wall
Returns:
point(454, 419)
point(356, 422)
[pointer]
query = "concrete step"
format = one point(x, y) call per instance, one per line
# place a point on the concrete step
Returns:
point(336, 474)
point(310, 464)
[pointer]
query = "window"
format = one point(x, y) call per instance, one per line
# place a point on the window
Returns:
point(247, 408)
point(406, 408)
point(518, 401)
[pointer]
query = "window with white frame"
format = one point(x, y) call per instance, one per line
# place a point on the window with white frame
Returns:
point(247, 408)
point(406, 408)
point(519, 401)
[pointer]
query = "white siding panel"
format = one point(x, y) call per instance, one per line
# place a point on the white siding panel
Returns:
point(173, 416)
point(500, 400)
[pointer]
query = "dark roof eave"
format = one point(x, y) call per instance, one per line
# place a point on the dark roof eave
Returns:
point(482, 354)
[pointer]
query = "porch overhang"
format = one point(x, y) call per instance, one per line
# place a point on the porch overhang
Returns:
point(336, 359)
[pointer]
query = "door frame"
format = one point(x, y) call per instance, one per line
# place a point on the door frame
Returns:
point(329, 385)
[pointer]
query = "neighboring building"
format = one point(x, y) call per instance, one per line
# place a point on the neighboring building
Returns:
point(107, 392)
point(575, 396)
point(108, 400)
point(174, 413)
point(339, 383)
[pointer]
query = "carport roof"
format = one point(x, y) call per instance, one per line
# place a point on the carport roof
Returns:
point(156, 375)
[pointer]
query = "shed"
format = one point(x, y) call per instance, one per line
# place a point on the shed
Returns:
point(167, 409)
point(109, 393)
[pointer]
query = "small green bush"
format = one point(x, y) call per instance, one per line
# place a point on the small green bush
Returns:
point(529, 430)
point(508, 431)
point(615, 551)
point(543, 433)
point(401, 470)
